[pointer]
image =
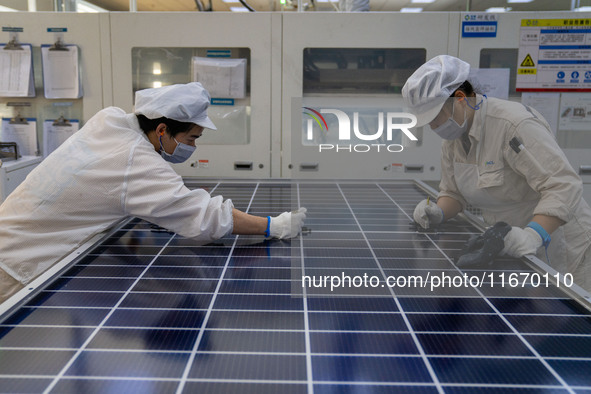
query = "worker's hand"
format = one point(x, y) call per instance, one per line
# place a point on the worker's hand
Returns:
point(427, 214)
point(519, 242)
point(287, 225)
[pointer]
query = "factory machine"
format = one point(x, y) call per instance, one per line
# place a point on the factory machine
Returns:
point(231, 55)
point(343, 76)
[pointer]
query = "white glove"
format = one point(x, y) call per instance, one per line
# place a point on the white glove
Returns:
point(519, 242)
point(287, 225)
point(427, 215)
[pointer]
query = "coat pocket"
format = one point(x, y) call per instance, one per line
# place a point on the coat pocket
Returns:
point(491, 178)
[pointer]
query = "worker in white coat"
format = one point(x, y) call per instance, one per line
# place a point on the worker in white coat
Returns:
point(114, 167)
point(501, 156)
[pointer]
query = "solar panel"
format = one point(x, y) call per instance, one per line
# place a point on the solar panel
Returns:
point(150, 311)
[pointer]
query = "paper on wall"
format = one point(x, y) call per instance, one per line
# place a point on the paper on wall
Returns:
point(24, 134)
point(61, 72)
point(16, 72)
point(223, 78)
point(55, 134)
point(545, 103)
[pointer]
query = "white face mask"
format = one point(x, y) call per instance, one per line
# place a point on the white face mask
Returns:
point(450, 129)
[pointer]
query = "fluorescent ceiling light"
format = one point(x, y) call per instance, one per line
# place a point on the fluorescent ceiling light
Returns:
point(411, 9)
point(85, 6)
point(238, 9)
point(6, 9)
point(498, 9)
point(327, 1)
point(230, 1)
point(583, 9)
point(422, 1)
point(519, 1)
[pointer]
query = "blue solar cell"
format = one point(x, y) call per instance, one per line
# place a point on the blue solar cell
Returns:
point(129, 364)
point(93, 284)
point(253, 341)
point(176, 285)
point(551, 324)
point(471, 344)
point(23, 385)
point(168, 301)
point(248, 366)
point(561, 346)
point(97, 259)
point(438, 304)
point(144, 339)
point(269, 320)
point(457, 322)
point(537, 306)
point(256, 286)
point(245, 388)
point(40, 337)
point(345, 388)
point(33, 362)
point(75, 299)
point(190, 260)
point(362, 343)
point(357, 321)
point(195, 272)
point(492, 371)
point(574, 372)
point(369, 369)
point(57, 316)
point(258, 302)
point(352, 304)
point(168, 318)
point(94, 386)
point(505, 390)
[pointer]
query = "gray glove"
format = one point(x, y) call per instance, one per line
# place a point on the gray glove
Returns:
point(521, 241)
point(287, 225)
point(427, 215)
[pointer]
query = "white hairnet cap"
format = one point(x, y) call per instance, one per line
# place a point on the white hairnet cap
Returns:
point(431, 84)
point(182, 102)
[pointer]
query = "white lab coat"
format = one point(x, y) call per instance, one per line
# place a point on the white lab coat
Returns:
point(106, 171)
point(513, 187)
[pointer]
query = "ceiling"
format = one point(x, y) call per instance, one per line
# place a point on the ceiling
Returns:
point(375, 5)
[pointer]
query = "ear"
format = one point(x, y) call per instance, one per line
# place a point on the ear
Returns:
point(160, 129)
point(459, 94)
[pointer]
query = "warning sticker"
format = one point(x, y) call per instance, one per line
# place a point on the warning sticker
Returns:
point(528, 61)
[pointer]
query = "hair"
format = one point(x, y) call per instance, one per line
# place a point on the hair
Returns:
point(467, 88)
point(174, 126)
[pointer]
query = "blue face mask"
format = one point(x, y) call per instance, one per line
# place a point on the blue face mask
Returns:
point(450, 129)
point(181, 153)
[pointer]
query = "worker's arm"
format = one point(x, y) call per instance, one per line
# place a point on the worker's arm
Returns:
point(450, 206)
point(246, 224)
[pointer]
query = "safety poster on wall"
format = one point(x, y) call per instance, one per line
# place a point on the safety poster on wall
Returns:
point(554, 55)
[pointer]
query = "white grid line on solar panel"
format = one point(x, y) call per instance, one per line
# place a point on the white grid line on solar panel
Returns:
point(276, 330)
point(508, 323)
point(315, 354)
point(430, 369)
point(93, 334)
point(309, 371)
point(369, 384)
point(208, 313)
